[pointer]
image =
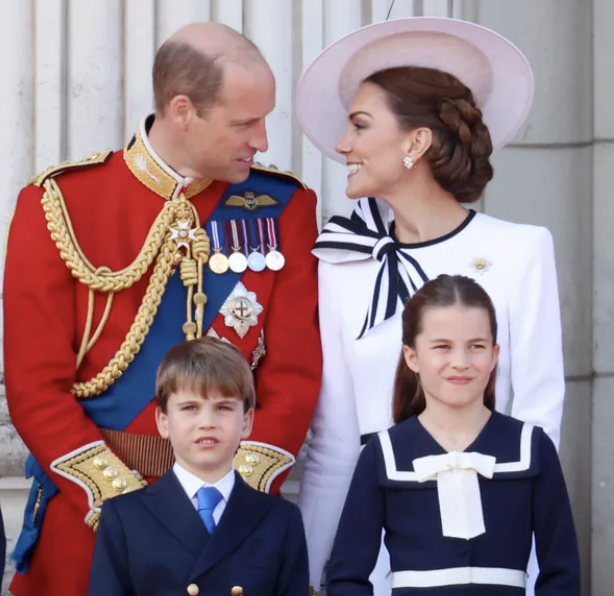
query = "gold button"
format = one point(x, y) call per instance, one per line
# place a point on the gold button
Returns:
point(111, 473)
point(120, 484)
point(246, 470)
point(101, 463)
point(236, 591)
point(193, 590)
point(252, 459)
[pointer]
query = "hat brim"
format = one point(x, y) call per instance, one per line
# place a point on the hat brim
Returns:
point(495, 70)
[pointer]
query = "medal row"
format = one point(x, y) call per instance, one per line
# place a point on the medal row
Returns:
point(238, 245)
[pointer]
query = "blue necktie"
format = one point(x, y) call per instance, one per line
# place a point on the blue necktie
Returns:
point(208, 499)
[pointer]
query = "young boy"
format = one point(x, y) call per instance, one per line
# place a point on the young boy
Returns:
point(200, 530)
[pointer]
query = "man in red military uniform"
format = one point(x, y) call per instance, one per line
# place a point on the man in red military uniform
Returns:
point(113, 260)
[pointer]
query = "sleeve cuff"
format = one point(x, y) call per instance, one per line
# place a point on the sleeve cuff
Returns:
point(260, 463)
point(100, 473)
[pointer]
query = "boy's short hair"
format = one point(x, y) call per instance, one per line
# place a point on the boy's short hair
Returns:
point(204, 366)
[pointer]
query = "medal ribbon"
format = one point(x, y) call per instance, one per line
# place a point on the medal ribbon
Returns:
point(215, 235)
point(245, 238)
point(270, 222)
point(261, 236)
point(236, 244)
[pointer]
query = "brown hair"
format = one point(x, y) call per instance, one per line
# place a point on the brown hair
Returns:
point(461, 147)
point(203, 366)
point(444, 291)
point(180, 69)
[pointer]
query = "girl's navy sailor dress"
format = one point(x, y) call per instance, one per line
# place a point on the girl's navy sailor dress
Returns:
point(458, 523)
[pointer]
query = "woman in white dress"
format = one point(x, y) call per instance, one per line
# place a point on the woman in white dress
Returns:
point(415, 107)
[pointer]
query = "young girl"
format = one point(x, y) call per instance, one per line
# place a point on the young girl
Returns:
point(458, 488)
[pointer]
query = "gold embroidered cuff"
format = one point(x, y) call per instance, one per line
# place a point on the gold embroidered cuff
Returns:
point(312, 591)
point(92, 519)
point(259, 463)
point(100, 473)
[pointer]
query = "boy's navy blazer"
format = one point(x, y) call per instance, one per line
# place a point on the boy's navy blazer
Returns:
point(153, 541)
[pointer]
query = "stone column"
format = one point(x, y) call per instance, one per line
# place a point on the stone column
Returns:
point(603, 302)
point(545, 178)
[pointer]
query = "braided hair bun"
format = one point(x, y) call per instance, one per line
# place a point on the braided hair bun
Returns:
point(461, 147)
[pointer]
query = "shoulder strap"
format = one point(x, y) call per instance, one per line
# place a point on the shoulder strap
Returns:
point(277, 172)
point(95, 159)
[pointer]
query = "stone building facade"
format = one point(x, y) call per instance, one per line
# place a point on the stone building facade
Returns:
point(77, 79)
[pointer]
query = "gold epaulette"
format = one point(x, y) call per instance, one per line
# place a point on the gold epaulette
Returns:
point(259, 463)
point(100, 473)
point(277, 172)
point(96, 158)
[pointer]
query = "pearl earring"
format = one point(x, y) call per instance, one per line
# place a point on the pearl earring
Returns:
point(408, 162)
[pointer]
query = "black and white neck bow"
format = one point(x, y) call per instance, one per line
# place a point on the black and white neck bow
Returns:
point(364, 235)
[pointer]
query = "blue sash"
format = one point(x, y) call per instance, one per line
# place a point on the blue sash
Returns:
point(135, 389)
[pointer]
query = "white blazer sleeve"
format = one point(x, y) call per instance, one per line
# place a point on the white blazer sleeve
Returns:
point(334, 449)
point(538, 378)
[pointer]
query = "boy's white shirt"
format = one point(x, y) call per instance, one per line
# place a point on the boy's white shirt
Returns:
point(192, 484)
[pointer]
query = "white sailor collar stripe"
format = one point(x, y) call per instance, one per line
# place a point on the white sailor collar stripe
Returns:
point(521, 465)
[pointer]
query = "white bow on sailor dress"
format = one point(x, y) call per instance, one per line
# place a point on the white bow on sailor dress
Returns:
point(458, 489)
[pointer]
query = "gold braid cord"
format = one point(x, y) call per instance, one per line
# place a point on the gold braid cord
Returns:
point(163, 243)
point(101, 280)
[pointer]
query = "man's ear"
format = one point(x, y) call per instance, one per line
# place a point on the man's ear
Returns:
point(180, 110)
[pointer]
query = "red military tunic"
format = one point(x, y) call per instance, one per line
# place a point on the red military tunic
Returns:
point(112, 206)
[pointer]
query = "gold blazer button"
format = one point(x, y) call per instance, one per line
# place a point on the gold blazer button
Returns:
point(193, 590)
point(236, 591)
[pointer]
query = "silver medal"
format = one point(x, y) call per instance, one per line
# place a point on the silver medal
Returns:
point(237, 262)
point(275, 260)
point(256, 262)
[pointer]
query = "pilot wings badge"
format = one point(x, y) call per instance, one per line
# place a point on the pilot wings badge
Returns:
point(250, 201)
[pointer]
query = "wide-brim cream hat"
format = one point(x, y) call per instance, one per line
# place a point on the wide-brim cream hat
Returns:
point(495, 70)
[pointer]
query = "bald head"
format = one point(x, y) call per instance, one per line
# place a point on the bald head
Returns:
point(217, 40)
point(192, 62)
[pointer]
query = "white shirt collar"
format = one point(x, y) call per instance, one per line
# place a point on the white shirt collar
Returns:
point(192, 484)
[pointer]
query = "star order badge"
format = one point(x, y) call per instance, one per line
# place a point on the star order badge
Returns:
point(241, 310)
point(183, 234)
